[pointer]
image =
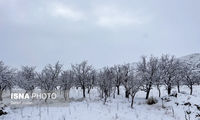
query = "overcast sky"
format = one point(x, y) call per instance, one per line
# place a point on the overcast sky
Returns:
point(104, 32)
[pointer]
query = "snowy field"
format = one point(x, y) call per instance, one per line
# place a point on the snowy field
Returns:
point(92, 107)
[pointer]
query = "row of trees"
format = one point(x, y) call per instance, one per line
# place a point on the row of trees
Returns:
point(143, 75)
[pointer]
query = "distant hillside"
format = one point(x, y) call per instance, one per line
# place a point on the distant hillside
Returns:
point(193, 60)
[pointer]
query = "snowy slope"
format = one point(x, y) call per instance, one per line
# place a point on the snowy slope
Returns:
point(193, 60)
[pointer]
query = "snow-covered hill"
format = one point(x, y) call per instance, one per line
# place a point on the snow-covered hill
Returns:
point(193, 60)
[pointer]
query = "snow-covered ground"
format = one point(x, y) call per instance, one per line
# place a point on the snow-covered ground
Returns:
point(92, 107)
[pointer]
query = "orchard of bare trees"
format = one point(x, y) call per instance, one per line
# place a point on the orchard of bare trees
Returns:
point(149, 72)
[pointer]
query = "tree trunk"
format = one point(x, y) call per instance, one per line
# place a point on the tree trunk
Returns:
point(148, 90)
point(88, 91)
point(159, 92)
point(83, 91)
point(132, 101)
point(178, 87)
point(1, 92)
point(147, 94)
point(127, 93)
point(114, 93)
point(169, 90)
point(68, 93)
point(118, 90)
point(101, 93)
point(191, 89)
point(105, 98)
point(46, 98)
point(50, 94)
point(31, 92)
point(109, 93)
point(65, 94)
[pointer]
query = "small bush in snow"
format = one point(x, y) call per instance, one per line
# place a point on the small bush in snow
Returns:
point(2, 112)
point(174, 94)
point(152, 101)
point(166, 99)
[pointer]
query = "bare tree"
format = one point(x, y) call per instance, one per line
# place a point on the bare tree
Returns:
point(134, 85)
point(118, 77)
point(168, 71)
point(148, 73)
point(48, 78)
point(178, 80)
point(126, 70)
point(158, 81)
point(66, 81)
point(189, 77)
point(6, 78)
point(82, 74)
point(26, 78)
point(105, 82)
point(92, 80)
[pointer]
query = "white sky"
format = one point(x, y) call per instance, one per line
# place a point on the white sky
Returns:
point(104, 32)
